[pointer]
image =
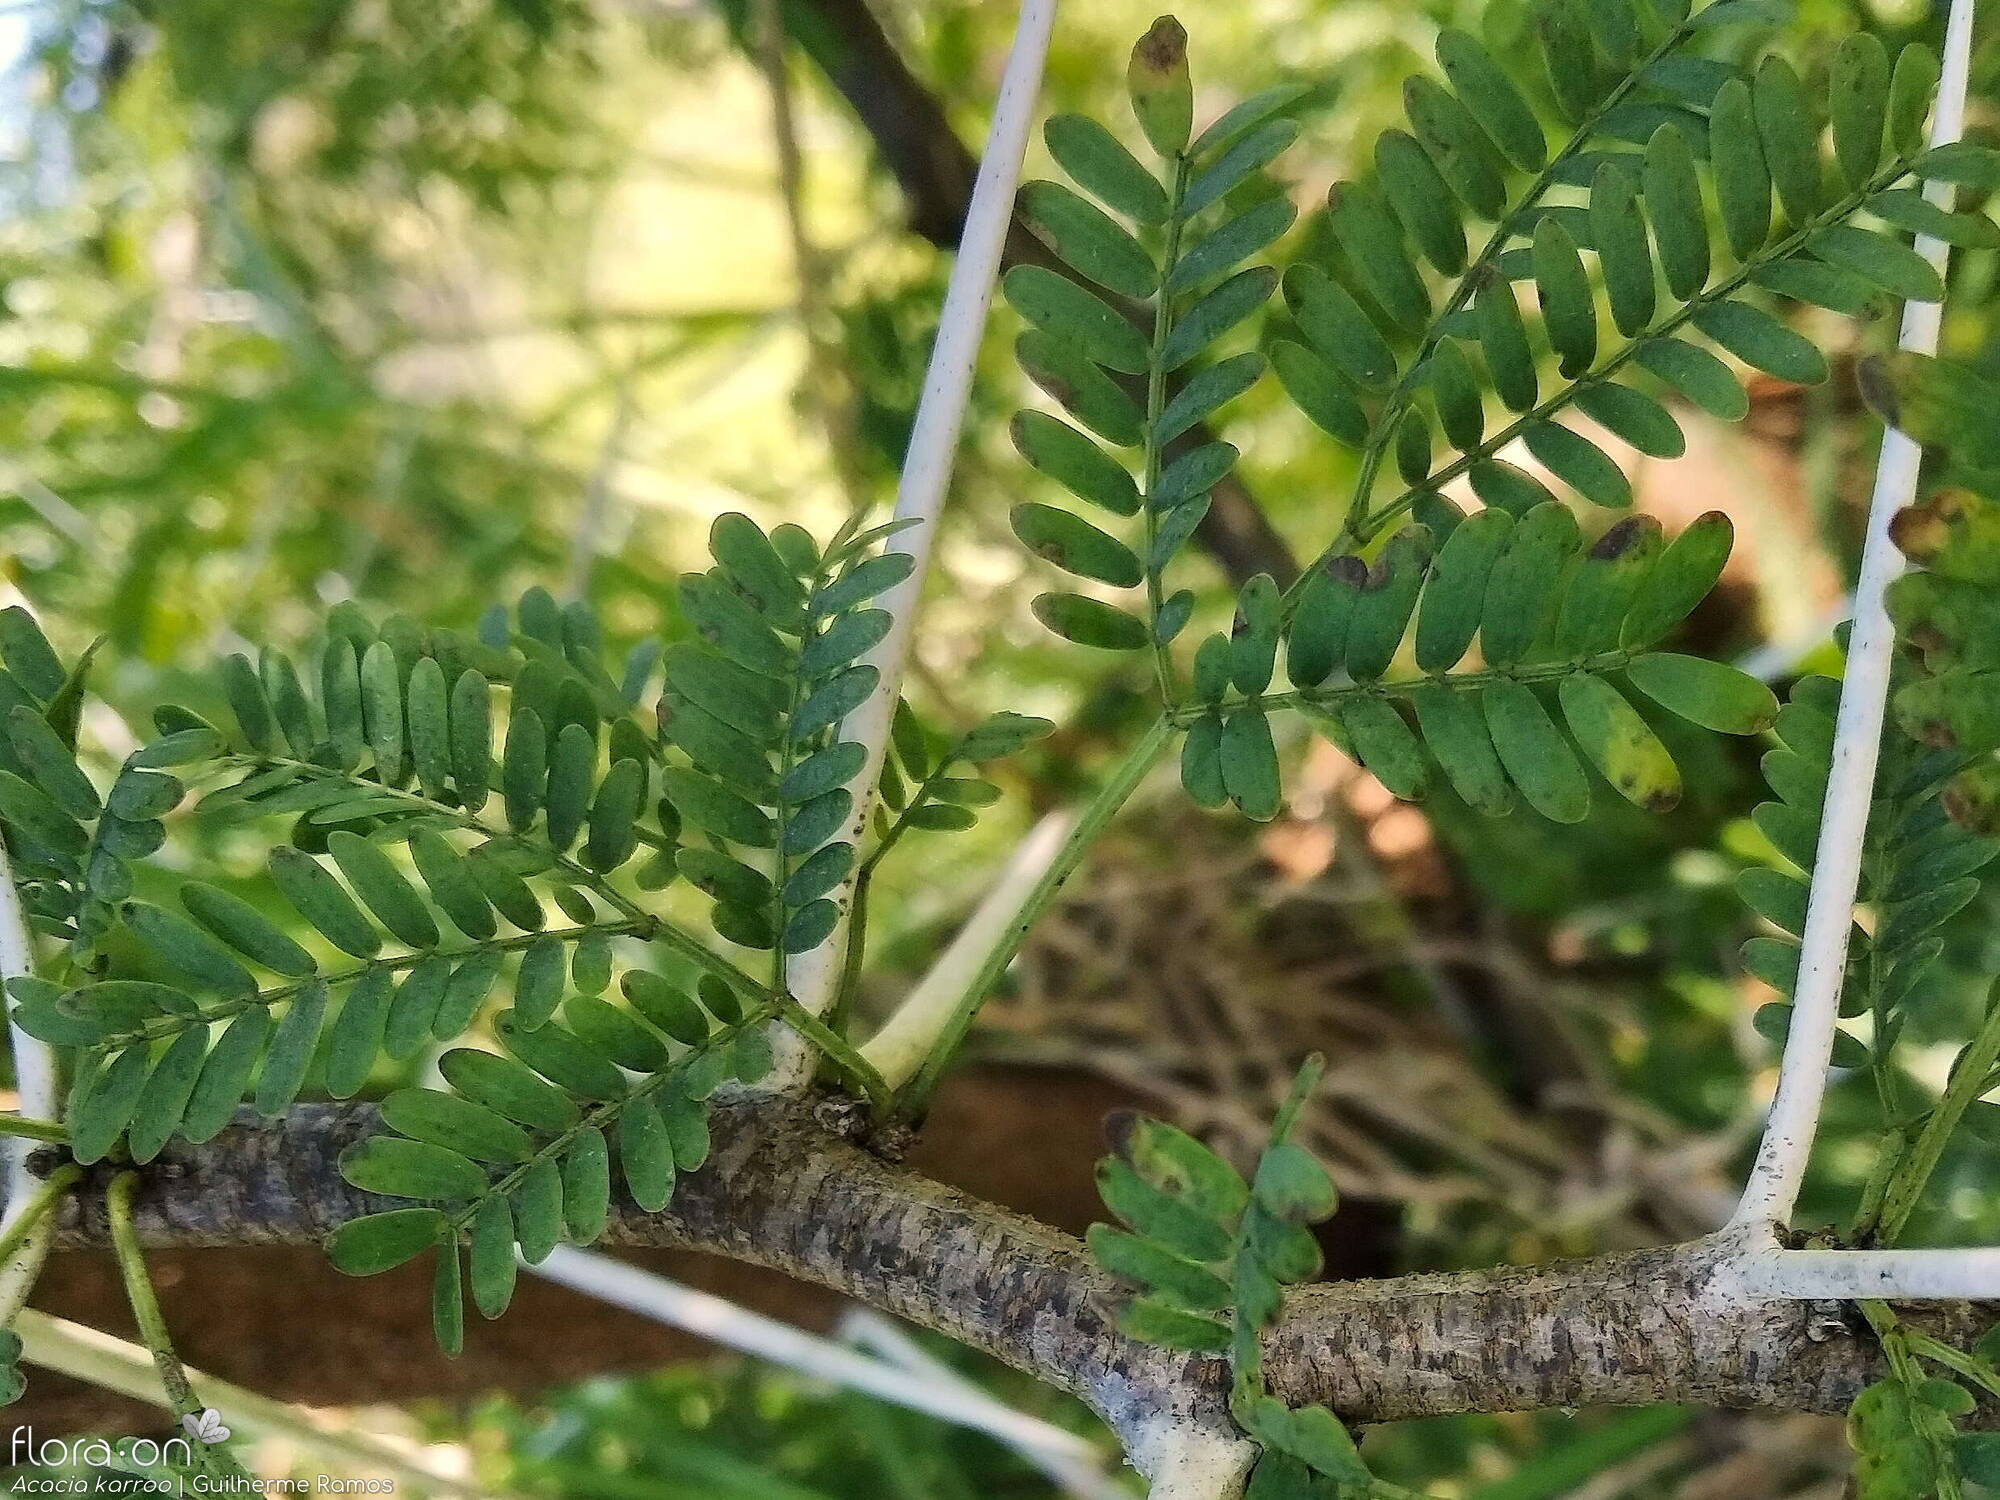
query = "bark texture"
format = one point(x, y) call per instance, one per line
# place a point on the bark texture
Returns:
point(785, 1191)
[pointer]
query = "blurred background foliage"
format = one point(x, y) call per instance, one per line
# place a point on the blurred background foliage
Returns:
point(422, 302)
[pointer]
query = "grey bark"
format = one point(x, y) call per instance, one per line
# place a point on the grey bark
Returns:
point(784, 1190)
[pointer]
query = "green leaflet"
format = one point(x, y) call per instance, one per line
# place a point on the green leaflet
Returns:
point(586, 1186)
point(1384, 744)
point(1253, 641)
point(455, 889)
point(1619, 743)
point(646, 1156)
point(1373, 241)
point(1604, 584)
point(1089, 239)
point(1249, 764)
point(401, 1168)
point(1455, 391)
point(464, 993)
point(1579, 463)
point(1709, 693)
point(1450, 611)
point(756, 570)
point(1075, 462)
point(566, 798)
point(1096, 162)
point(1075, 546)
point(1619, 234)
point(1385, 599)
point(225, 1075)
point(471, 738)
point(1571, 60)
point(538, 1211)
point(357, 1034)
point(382, 709)
point(392, 899)
point(243, 688)
point(1876, 258)
point(1742, 180)
point(1858, 96)
point(412, 1012)
point(1216, 313)
point(1077, 385)
point(1503, 337)
point(1463, 155)
point(1090, 622)
point(245, 929)
point(1520, 589)
point(1075, 317)
point(1538, 759)
point(1318, 392)
point(319, 898)
point(1681, 579)
point(187, 948)
point(1225, 248)
point(1317, 641)
point(1675, 211)
point(1569, 310)
point(381, 1242)
point(164, 1100)
point(291, 1051)
point(50, 763)
point(457, 1124)
point(1633, 416)
point(1458, 736)
point(1421, 200)
point(614, 816)
point(427, 726)
point(1790, 133)
point(490, 1270)
point(1491, 97)
point(1334, 323)
point(559, 1057)
point(1697, 375)
point(508, 1088)
point(1245, 155)
point(524, 768)
point(1759, 340)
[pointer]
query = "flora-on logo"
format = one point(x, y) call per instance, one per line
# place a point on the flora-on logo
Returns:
point(206, 1426)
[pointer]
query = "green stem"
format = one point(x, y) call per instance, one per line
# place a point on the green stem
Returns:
point(38, 1208)
point(1111, 796)
point(1957, 1361)
point(1968, 1078)
point(34, 1130)
point(857, 946)
point(836, 1049)
point(139, 1292)
point(1156, 399)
